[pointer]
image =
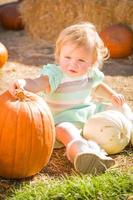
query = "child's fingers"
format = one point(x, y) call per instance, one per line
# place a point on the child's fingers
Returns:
point(17, 84)
point(20, 83)
point(121, 99)
point(118, 100)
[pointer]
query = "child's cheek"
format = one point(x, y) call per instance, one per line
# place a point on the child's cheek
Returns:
point(84, 69)
point(63, 65)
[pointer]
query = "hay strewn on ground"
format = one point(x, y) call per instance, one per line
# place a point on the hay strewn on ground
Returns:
point(45, 19)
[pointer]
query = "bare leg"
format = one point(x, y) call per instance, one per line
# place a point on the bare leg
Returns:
point(66, 132)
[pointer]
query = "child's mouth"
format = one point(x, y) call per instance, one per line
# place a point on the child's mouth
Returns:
point(72, 71)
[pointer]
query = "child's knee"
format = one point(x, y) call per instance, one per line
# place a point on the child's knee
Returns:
point(65, 132)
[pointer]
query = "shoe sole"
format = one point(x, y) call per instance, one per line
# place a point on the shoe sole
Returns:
point(88, 163)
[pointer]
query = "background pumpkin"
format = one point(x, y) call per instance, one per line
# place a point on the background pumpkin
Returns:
point(119, 40)
point(10, 16)
point(3, 55)
point(110, 129)
point(27, 135)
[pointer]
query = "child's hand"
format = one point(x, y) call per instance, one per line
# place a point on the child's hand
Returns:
point(117, 100)
point(16, 84)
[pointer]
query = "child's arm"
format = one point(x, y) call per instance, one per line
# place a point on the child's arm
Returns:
point(33, 85)
point(104, 91)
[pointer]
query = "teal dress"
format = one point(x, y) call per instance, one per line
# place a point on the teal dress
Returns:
point(70, 98)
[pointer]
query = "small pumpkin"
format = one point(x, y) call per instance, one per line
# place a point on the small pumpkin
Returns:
point(110, 129)
point(27, 134)
point(10, 16)
point(3, 55)
point(119, 40)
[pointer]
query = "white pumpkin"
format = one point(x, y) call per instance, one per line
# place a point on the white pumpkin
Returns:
point(110, 129)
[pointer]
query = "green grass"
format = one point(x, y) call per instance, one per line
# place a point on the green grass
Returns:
point(109, 186)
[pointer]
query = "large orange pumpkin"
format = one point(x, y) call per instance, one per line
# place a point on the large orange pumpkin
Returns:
point(119, 40)
point(3, 55)
point(10, 16)
point(27, 134)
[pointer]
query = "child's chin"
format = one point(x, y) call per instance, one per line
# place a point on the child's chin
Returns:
point(73, 74)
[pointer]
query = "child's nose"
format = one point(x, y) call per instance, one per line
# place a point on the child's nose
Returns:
point(73, 62)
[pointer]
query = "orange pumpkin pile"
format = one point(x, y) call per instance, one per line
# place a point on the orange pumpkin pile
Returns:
point(119, 40)
point(3, 55)
point(27, 134)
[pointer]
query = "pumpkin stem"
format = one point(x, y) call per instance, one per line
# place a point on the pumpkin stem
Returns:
point(23, 95)
point(20, 94)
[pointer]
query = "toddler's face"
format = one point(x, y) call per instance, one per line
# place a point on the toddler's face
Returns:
point(75, 61)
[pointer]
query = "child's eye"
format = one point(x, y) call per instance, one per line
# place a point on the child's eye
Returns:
point(81, 60)
point(67, 57)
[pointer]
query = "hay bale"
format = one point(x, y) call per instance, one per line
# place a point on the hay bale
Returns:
point(45, 19)
point(123, 12)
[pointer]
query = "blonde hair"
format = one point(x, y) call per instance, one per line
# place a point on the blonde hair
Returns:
point(83, 34)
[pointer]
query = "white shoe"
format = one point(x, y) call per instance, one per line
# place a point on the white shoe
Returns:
point(88, 157)
point(92, 163)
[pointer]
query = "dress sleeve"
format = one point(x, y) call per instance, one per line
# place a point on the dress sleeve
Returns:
point(54, 74)
point(97, 77)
